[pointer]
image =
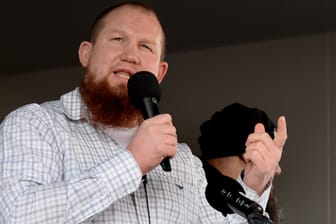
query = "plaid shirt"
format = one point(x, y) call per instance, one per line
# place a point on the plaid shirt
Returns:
point(55, 167)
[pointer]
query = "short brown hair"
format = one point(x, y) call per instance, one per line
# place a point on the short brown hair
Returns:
point(98, 21)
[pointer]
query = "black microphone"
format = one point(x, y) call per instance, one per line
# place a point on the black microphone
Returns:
point(145, 93)
point(226, 193)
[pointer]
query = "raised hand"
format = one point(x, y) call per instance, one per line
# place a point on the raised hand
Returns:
point(263, 155)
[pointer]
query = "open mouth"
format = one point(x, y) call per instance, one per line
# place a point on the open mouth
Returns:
point(122, 74)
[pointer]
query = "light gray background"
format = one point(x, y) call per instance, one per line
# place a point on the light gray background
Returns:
point(294, 77)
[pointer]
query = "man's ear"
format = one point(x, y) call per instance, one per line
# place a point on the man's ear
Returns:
point(84, 53)
point(162, 70)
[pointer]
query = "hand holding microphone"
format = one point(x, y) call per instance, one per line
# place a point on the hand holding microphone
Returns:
point(155, 141)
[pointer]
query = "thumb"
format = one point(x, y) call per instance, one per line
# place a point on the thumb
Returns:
point(259, 128)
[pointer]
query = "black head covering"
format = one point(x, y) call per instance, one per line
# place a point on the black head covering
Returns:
point(226, 132)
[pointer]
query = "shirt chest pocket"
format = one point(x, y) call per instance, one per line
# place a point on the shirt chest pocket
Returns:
point(177, 197)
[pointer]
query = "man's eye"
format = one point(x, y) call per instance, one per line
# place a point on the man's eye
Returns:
point(117, 39)
point(146, 47)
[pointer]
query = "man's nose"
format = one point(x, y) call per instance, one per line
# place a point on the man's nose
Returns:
point(130, 53)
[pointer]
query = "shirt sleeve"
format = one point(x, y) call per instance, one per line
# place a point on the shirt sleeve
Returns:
point(32, 187)
point(251, 194)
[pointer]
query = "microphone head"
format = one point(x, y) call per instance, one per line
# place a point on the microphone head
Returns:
point(141, 85)
point(214, 196)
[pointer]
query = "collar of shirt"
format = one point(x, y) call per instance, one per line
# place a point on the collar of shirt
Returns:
point(73, 105)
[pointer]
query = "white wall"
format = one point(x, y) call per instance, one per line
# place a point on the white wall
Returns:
point(293, 77)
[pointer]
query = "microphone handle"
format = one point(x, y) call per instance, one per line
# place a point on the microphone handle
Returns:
point(165, 164)
point(149, 110)
point(241, 204)
point(249, 209)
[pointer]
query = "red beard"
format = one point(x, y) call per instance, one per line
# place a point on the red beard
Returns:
point(110, 106)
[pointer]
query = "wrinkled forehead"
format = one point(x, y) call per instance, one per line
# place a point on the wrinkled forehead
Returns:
point(138, 13)
point(131, 11)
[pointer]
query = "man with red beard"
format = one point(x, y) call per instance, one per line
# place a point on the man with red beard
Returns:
point(81, 159)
